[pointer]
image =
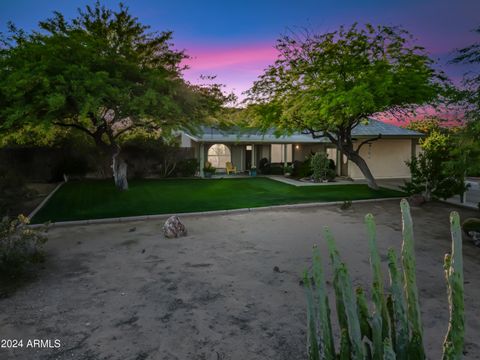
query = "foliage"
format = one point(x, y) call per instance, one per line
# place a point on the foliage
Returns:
point(436, 172)
point(209, 168)
point(427, 126)
point(263, 165)
point(13, 189)
point(20, 246)
point(320, 165)
point(469, 99)
point(470, 225)
point(187, 168)
point(288, 169)
point(102, 73)
point(327, 84)
point(394, 329)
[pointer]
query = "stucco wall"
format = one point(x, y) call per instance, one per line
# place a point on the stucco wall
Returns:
point(305, 150)
point(385, 158)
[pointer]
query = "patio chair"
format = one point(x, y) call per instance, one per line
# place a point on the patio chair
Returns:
point(230, 168)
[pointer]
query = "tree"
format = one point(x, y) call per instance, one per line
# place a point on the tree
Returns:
point(102, 73)
point(327, 84)
point(469, 98)
point(438, 171)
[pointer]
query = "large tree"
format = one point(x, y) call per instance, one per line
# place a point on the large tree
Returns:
point(469, 99)
point(103, 73)
point(327, 84)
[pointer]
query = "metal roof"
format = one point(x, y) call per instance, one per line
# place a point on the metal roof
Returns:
point(250, 135)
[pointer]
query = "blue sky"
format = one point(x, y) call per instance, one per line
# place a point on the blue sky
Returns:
point(234, 39)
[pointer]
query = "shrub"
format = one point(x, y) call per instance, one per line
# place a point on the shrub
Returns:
point(320, 165)
point(436, 172)
point(394, 329)
point(187, 167)
point(12, 190)
point(263, 166)
point(20, 246)
point(471, 227)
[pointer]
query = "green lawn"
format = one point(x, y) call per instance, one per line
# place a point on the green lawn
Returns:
point(96, 199)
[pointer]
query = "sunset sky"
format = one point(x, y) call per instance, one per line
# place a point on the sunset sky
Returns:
point(234, 39)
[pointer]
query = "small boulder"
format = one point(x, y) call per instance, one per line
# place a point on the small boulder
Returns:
point(417, 200)
point(174, 228)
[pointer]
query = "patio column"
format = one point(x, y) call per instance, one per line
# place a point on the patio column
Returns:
point(254, 156)
point(285, 163)
point(202, 159)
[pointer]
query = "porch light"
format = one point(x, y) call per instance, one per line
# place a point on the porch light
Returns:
point(297, 147)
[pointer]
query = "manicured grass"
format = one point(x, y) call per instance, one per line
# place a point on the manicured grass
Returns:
point(96, 199)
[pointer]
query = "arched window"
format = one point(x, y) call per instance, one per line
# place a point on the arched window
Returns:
point(219, 155)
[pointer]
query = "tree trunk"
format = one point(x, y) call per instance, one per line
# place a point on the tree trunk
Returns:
point(362, 165)
point(119, 168)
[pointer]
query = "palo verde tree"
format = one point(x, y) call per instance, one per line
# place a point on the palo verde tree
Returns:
point(103, 73)
point(469, 99)
point(327, 84)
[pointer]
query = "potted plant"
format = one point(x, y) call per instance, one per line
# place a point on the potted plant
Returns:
point(253, 171)
point(208, 170)
point(287, 170)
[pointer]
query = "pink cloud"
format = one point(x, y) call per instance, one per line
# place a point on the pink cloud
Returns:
point(235, 67)
point(215, 58)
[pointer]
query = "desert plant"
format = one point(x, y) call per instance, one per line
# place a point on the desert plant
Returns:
point(393, 330)
point(20, 246)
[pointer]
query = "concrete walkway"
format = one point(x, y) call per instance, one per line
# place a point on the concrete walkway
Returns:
point(295, 182)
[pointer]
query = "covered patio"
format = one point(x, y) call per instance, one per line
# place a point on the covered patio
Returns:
point(245, 147)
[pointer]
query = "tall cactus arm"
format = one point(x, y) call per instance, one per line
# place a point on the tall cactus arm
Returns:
point(327, 348)
point(377, 291)
point(399, 319)
point(388, 353)
point(312, 343)
point(416, 349)
point(335, 260)
point(454, 340)
point(363, 314)
point(354, 332)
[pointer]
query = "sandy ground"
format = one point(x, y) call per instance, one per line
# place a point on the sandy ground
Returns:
point(122, 291)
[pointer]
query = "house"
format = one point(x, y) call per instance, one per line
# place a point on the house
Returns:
point(245, 147)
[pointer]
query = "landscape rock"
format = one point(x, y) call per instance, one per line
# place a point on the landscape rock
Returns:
point(417, 200)
point(174, 228)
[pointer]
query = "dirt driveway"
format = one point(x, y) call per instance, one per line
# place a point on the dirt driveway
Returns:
point(122, 291)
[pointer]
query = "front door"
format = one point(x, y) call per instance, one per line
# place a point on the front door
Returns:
point(248, 157)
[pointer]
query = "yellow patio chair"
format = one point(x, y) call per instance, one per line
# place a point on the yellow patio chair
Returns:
point(230, 168)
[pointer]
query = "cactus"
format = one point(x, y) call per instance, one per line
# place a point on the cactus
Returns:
point(393, 331)
point(399, 318)
point(453, 344)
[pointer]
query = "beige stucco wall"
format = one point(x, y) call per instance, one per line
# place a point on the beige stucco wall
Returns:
point(385, 158)
point(305, 150)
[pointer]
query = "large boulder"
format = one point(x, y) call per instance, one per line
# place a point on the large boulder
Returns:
point(471, 228)
point(174, 228)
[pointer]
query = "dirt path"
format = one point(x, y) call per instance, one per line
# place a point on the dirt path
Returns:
point(124, 292)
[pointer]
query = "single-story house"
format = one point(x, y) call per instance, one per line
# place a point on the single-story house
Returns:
point(245, 147)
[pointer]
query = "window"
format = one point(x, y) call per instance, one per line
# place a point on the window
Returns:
point(219, 155)
point(278, 153)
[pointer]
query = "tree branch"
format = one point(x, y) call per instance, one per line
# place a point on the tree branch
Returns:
point(367, 141)
point(75, 126)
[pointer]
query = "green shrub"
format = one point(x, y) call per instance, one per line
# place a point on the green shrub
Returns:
point(393, 330)
point(320, 164)
point(13, 189)
point(187, 167)
point(20, 246)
